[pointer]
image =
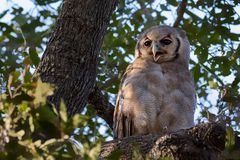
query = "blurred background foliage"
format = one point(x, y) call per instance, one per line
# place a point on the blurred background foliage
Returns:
point(213, 28)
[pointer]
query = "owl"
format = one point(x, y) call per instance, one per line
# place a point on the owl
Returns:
point(157, 92)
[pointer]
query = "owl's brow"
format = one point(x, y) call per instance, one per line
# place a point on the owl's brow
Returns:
point(167, 36)
point(146, 37)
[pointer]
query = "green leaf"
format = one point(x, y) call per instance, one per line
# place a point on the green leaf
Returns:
point(18, 134)
point(63, 111)
point(42, 91)
point(230, 138)
point(196, 72)
point(202, 54)
point(213, 84)
point(34, 56)
point(10, 80)
point(79, 120)
point(20, 19)
point(48, 142)
point(23, 107)
point(31, 124)
point(45, 114)
point(173, 2)
point(4, 13)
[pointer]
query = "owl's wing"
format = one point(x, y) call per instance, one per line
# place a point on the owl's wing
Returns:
point(122, 124)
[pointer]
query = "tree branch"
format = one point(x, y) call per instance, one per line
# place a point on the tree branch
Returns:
point(180, 11)
point(204, 141)
point(101, 105)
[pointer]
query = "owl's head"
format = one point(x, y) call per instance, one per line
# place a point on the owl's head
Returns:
point(162, 44)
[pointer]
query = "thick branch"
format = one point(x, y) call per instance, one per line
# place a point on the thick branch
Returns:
point(101, 105)
point(180, 11)
point(205, 141)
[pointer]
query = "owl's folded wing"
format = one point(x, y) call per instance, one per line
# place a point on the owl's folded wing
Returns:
point(122, 124)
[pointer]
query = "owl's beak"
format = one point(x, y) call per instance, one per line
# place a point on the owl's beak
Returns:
point(157, 52)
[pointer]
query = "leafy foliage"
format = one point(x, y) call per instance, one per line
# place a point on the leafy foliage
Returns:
point(213, 31)
point(35, 129)
point(17, 41)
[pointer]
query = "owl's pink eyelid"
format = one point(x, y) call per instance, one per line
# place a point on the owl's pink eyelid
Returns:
point(147, 38)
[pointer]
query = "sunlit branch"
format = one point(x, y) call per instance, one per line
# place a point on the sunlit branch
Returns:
point(180, 11)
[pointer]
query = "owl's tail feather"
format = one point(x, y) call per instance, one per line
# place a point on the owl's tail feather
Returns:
point(124, 126)
point(128, 126)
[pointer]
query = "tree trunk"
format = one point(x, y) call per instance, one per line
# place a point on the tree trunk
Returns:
point(203, 142)
point(70, 59)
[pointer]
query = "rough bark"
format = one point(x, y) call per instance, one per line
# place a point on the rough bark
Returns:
point(70, 59)
point(203, 142)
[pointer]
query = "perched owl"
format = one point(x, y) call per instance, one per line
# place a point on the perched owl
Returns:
point(157, 92)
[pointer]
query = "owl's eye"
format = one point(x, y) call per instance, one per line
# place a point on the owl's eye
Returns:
point(147, 43)
point(166, 41)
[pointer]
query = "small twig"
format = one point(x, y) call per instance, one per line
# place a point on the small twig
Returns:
point(180, 11)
